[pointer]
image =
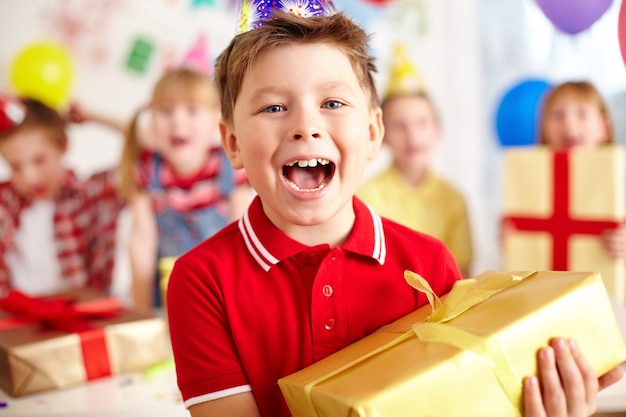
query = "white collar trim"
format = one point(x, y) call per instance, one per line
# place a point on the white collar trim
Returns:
point(266, 260)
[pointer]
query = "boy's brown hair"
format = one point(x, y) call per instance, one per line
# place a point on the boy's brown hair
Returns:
point(40, 116)
point(284, 28)
point(580, 90)
point(419, 94)
point(183, 84)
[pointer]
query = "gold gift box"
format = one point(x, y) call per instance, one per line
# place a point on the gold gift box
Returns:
point(33, 359)
point(596, 188)
point(498, 322)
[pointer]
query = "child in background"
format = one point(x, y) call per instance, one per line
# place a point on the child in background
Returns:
point(408, 192)
point(56, 232)
point(309, 268)
point(188, 190)
point(575, 115)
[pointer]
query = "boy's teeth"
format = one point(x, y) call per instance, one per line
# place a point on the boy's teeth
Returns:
point(303, 163)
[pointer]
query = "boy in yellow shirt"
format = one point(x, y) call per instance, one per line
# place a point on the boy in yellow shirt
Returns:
point(408, 192)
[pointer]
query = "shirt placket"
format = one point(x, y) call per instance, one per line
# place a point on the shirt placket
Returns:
point(327, 311)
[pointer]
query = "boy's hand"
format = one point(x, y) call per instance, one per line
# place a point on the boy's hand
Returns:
point(614, 241)
point(76, 114)
point(566, 385)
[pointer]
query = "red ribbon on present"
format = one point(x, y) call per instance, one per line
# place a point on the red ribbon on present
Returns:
point(560, 224)
point(64, 315)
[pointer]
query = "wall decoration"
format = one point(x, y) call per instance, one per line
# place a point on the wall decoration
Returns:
point(410, 14)
point(140, 55)
point(202, 3)
point(82, 26)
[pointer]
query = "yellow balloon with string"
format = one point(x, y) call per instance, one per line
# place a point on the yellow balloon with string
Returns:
point(43, 71)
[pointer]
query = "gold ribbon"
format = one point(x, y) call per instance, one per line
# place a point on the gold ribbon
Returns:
point(465, 294)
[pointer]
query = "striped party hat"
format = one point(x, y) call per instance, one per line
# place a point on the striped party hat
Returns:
point(253, 13)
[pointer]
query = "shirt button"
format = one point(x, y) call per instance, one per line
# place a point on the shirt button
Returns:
point(333, 257)
point(312, 258)
point(327, 290)
point(329, 324)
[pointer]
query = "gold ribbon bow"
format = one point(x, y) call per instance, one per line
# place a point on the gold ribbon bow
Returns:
point(465, 295)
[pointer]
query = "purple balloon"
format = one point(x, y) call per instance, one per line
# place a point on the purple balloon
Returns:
point(574, 16)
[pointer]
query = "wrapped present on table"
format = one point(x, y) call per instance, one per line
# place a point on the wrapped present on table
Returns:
point(469, 356)
point(556, 206)
point(51, 343)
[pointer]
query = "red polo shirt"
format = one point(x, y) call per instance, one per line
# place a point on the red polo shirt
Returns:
point(251, 305)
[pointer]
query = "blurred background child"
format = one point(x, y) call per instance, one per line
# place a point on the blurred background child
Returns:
point(56, 232)
point(408, 192)
point(575, 115)
point(186, 189)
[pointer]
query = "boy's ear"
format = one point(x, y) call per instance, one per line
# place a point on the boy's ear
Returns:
point(377, 132)
point(230, 144)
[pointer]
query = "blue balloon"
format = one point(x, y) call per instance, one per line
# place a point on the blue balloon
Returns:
point(517, 118)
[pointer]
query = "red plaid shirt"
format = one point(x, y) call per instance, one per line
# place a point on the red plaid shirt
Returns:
point(84, 228)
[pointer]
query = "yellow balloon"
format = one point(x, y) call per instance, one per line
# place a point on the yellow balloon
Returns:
point(43, 71)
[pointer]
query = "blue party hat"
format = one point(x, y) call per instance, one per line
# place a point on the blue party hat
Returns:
point(253, 13)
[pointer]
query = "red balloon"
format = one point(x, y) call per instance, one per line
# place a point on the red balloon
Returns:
point(378, 2)
point(621, 30)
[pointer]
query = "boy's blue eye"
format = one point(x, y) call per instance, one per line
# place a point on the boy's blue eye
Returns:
point(275, 108)
point(332, 104)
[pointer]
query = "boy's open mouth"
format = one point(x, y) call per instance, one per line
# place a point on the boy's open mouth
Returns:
point(308, 175)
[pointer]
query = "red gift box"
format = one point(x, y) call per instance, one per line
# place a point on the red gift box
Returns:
point(56, 343)
point(556, 206)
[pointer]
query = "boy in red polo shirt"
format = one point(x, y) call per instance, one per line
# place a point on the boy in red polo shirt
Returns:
point(309, 268)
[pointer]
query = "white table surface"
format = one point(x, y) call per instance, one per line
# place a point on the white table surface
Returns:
point(150, 394)
point(155, 394)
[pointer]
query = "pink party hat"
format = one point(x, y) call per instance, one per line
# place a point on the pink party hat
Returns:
point(253, 13)
point(198, 57)
point(12, 112)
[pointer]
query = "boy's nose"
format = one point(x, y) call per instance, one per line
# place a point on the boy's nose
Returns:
point(30, 175)
point(313, 135)
point(305, 126)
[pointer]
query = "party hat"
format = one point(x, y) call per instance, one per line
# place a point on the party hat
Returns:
point(12, 112)
point(253, 13)
point(198, 57)
point(404, 77)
